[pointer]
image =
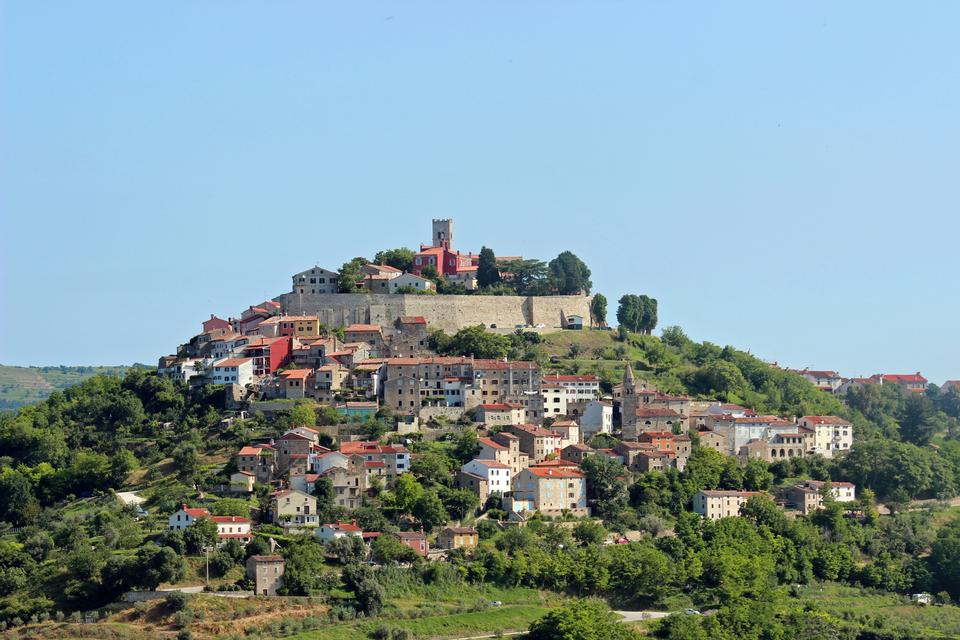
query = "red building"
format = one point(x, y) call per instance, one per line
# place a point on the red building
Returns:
point(662, 440)
point(416, 540)
point(269, 354)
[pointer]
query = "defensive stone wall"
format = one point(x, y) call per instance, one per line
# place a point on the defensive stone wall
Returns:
point(449, 313)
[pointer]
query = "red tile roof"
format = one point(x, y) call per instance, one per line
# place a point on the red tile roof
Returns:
point(555, 472)
point(230, 519)
point(362, 328)
point(495, 407)
point(301, 374)
point(825, 420)
point(232, 362)
point(559, 378)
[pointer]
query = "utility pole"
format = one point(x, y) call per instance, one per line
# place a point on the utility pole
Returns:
point(206, 551)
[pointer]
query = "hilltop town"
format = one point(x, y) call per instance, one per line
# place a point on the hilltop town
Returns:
point(320, 442)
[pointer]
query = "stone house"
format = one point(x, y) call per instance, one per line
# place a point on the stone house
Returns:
point(552, 490)
point(504, 448)
point(266, 573)
point(536, 442)
point(260, 460)
point(831, 434)
point(458, 538)
point(291, 507)
point(416, 540)
point(315, 281)
point(720, 504)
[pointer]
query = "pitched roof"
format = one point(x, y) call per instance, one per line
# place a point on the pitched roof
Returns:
point(655, 412)
point(490, 463)
point(228, 519)
point(555, 472)
point(498, 406)
point(232, 362)
point(550, 377)
point(489, 442)
point(412, 320)
point(300, 374)
point(825, 420)
point(362, 328)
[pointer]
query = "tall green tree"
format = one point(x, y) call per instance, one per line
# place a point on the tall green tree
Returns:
point(916, 420)
point(401, 258)
point(599, 309)
point(350, 274)
point(630, 313)
point(569, 275)
point(527, 277)
point(487, 272)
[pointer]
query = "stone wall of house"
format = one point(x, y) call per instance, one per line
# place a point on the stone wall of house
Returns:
point(449, 313)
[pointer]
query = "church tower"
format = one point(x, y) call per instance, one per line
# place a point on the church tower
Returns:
point(443, 233)
point(628, 404)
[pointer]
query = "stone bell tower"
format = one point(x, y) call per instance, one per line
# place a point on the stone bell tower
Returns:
point(443, 233)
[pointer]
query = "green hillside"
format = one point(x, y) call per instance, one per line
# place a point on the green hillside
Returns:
point(21, 386)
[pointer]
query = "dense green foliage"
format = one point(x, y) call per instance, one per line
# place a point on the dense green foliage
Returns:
point(22, 386)
point(638, 313)
point(401, 258)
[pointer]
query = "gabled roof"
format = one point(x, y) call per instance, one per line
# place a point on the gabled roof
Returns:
point(300, 374)
point(232, 362)
point(654, 412)
point(362, 328)
point(195, 512)
point(551, 377)
point(499, 406)
point(230, 519)
point(825, 420)
point(489, 442)
point(489, 463)
point(555, 472)
point(412, 320)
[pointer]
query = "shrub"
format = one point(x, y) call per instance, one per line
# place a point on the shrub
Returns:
point(177, 600)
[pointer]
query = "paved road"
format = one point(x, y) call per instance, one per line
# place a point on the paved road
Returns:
point(637, 616)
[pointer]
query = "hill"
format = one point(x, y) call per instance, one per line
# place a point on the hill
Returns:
point(22, 386)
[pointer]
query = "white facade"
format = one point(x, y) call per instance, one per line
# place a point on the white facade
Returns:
point(232, 371)
point(495, 473)
point(831, 434)
point(321, 462)
point(581, 388)
point(410, 280)
point(181, 371)
point(597, 418)
point(315, 281)
point(555, 398)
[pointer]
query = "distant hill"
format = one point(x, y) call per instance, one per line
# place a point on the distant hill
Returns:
point(20, 386)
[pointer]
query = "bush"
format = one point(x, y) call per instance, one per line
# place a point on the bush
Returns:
point(177, 600)
point(184, 634)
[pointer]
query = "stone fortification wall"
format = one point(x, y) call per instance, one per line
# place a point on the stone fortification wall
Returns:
point(449, 313)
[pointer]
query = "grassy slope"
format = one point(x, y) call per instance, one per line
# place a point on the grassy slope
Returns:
point(20, 386)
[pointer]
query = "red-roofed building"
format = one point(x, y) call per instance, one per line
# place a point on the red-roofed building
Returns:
point(911, 383)
point(330, 532)
point(269, 354)
point(260, 460)
point(551, 490)
point(215, 323)
point(831, 434)
point(416, 540)
point(227, 526)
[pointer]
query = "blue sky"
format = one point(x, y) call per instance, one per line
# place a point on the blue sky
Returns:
point(782, 178)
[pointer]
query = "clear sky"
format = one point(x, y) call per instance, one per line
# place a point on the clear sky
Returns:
point(783, 177)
